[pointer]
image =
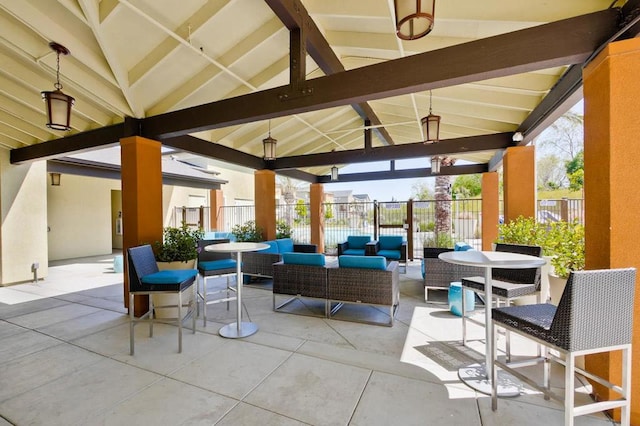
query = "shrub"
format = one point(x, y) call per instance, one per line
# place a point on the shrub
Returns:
point(178, 244)
point(283, 230)
point(248, 232)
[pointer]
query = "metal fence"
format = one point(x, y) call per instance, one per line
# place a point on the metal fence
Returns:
point(379, 218)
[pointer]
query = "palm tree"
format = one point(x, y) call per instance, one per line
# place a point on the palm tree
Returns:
point(443, 203)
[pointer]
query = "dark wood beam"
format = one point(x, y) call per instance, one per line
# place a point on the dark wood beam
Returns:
point(293, 14)
point(398, 152)
point(80, 142)
point(506, 54)
point(214, 150)
point(406, 174)
point(300, 175)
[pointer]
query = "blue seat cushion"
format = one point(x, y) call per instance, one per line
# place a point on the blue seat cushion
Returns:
point(310, 259)
point(214, 265)
point(354, 252)
point(462, 246)
point(358, 241)
point(273, 247)
point(169, 277)
point(390, 254)
point(285, 245)
point(362, 262)
point(390, 242)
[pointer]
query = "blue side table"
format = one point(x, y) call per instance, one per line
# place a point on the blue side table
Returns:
point(455, 299)
point(118, 264)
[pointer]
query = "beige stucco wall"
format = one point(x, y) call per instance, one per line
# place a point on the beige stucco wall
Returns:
point(79, 213)
point(23, 233)
point(178, 196)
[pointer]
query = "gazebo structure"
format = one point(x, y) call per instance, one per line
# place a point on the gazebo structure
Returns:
point(333, 83)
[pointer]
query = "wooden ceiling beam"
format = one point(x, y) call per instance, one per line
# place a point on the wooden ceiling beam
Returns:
point(521, 51)
point(406, 174)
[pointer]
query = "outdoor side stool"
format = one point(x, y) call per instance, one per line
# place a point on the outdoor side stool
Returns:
point(455, 299)
point(146, 279)
point(214, 265)
point(595, 315)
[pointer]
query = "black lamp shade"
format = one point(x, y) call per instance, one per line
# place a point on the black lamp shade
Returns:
point(431, 127)
point(269, 145)
point(58, 107)
point(414, 18)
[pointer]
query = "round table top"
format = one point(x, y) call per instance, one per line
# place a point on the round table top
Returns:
point(236, 247)
point(493, 259)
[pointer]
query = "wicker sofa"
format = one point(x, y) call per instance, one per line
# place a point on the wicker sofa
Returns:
point(438, 274)
point(300, 275)
point(260, 263)
point(364, 280)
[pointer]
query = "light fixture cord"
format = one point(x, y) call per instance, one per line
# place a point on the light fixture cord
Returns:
point(58, 86)
point(430, 101)
point(269, 128)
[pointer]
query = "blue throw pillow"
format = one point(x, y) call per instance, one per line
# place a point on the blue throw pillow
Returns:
point(358, 241)
point(310, 259)
point(363, 262)
point(390, 242)
point(285, 245)
point(462, 246)
point(273, 247)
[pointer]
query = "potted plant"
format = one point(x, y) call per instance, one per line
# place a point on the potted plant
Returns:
point(248, 232)
point(283, 230)
point(566, 244)
point(178, 245)
point(177, 250)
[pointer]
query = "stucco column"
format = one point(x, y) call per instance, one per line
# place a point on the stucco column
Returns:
point(611, 128)
point(490, 209)
point(265, 197)
point(216, 214)
point(316, 200)
point(519, 164)
point(141, 200)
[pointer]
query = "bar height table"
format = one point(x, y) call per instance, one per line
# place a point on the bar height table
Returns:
point(237, 329)
point(478, 376)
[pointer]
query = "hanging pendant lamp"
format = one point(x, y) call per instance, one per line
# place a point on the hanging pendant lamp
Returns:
point(414, 18)
point(269, 146)
point(431, 124)
point(57, 103)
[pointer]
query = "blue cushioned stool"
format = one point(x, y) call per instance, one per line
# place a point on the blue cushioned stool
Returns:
point(214, 265)
point(455, 299)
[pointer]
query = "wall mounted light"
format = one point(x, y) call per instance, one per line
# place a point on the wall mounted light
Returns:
point(435, 165)
point(431, 124)
point(269, 146)
point(58, 104)
point(414, 18)
point(55, 179)
point(334, 173)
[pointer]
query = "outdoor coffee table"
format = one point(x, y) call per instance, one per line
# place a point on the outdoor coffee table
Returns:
point(478, 376)
point(237, 329)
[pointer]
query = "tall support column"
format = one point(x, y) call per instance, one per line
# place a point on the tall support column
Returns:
point(519, 165)
point(265, 197)
point(216, 214)
point(317, 215)
point(141, 161)
point(490, 209)
point(611, 93)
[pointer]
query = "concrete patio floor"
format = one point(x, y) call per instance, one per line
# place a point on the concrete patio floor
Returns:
point(65, 360)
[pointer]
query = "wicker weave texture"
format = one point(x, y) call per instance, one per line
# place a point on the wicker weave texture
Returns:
point(440, 274)
point(371, 286)
point(256, 263)
point(141, 262)
point(595, 311)
point(300, 280)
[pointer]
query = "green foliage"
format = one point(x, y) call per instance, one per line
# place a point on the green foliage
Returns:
point(420, 190)
point(468, 185)
point(247, 232)
point(442, 240)
point(283, 230)
point(575, 172)
point(328, 211)
point(525, 231)
point(566, 245)
point(302, 212)
point(178, 244)
point(562, 241)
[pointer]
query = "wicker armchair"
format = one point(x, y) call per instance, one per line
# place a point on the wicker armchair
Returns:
point(300, 275)
point(595, 315)
point(367, 286)
point(438, 274)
